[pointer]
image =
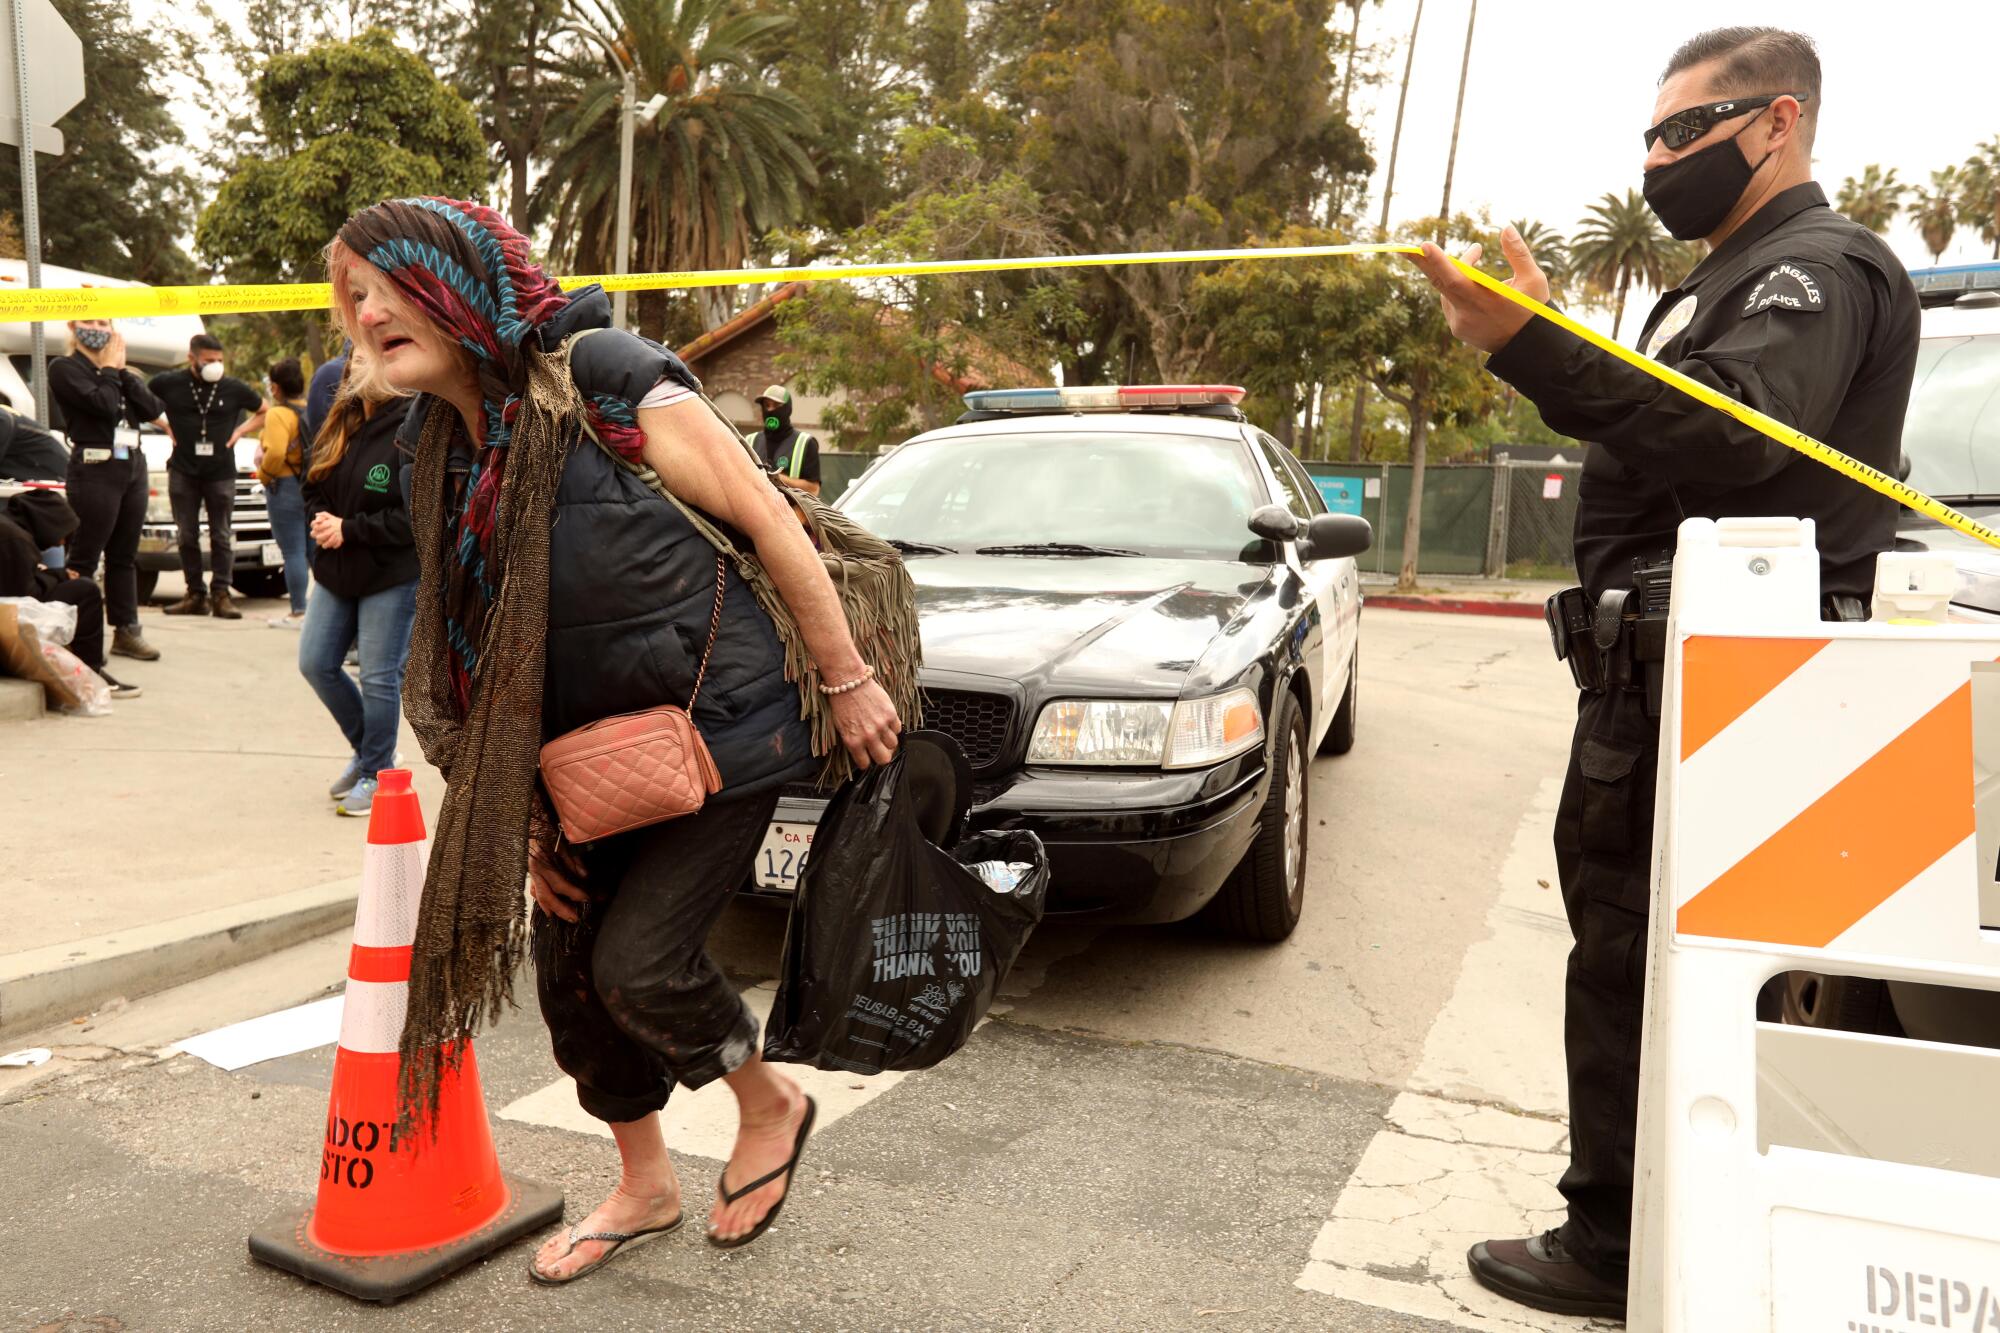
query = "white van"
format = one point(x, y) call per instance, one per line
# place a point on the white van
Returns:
point(152, 344)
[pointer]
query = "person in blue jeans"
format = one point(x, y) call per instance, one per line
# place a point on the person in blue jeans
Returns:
point(365, 563)
point(283, 447)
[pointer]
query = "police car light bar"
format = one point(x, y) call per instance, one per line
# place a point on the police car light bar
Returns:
point(1110, 398)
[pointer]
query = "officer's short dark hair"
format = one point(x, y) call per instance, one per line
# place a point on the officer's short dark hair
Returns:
point(204, 342)
point(291, 380)
point(1755, 61)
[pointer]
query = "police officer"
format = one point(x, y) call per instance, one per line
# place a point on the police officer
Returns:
point(1797, 312)
point(790, 454)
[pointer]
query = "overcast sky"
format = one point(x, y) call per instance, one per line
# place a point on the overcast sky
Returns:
point(1560, 90)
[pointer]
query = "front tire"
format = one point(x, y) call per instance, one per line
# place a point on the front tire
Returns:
point(1265, 897)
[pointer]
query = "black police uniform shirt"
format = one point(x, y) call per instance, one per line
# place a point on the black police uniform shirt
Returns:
point(201, 415)
point(777, 454)
point(1800, 313)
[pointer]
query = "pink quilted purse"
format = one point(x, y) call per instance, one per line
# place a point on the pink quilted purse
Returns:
point(635, 769)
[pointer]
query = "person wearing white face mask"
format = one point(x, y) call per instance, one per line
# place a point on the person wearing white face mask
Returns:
point(206, 408)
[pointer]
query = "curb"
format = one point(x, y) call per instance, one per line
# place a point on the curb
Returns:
point(50, 985)
point(1455, 605)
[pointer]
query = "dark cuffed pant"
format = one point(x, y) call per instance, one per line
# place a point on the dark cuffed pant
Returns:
point(633, 1002)
point(88, 641)
point(110, 503)
point(189, 496)
point(1604, 844)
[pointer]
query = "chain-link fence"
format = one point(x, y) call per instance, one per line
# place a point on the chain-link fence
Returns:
point(1534, 515)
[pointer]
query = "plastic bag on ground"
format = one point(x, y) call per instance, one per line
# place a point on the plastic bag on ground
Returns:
point(92, 693)
point(54, 622)
point(895, 948)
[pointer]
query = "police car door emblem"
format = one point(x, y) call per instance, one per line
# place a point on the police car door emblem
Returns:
point(1672, 323)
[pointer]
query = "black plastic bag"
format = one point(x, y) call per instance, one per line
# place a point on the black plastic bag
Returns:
point(895, 948)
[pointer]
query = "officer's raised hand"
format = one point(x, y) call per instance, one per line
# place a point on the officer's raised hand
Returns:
point(1481, 318)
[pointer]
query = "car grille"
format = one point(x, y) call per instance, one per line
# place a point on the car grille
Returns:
point(978, 722)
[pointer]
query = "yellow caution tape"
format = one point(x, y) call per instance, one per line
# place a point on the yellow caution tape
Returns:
point(66, 303)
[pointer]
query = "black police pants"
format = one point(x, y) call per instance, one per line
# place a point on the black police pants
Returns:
point(110, 503)
point(633, 1002)
point(189, 497)
point(1604, 842)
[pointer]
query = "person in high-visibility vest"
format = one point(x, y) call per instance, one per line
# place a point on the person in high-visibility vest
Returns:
point(789, 453)
point(1796, 311)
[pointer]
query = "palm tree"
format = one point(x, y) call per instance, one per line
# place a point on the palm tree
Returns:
point(1617, 242)
point(1550, 250)
point(1980, 207)
point(1872, 199)
point(722, 164)
point(1358, 423)
point(1935, 210)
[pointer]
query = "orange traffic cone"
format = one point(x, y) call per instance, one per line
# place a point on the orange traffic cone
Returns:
point(395, 1214)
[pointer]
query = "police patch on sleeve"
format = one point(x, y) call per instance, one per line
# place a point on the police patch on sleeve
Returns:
point(1787, 286)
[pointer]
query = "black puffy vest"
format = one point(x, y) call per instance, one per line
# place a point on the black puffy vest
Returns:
point(632, 588)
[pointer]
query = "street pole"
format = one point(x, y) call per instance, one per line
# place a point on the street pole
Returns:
point(627, 111)
point(31, 211)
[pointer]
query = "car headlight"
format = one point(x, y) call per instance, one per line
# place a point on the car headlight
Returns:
point(1147, 733)
point(159, 508)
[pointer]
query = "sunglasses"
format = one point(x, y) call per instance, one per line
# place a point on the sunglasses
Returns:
point(1684, 127)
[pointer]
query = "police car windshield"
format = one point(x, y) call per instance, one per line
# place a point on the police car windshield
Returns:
point(1182, 496)
point(1951, 434)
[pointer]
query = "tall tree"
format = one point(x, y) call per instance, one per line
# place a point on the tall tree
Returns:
point(1358, 419)
point(1979, 206)
point(1873, 198)
point(1421, 368)
point(1170, 124)
point(1458, 115)
point(1935, 209)
point(340, 126)
point(897, 349)
point(507, 68)
point(724, 162)
point(1617, 243)
point(116, 201)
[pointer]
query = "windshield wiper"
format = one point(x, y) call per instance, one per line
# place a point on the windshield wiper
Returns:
point(921, 548)
point(1054, 548)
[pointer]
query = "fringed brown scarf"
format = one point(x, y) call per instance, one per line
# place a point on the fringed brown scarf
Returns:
point(472, 926)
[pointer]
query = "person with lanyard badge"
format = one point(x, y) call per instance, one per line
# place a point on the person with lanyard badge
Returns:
point(95, 392)
point(789, 454)
point(1795, 311)
point(205, 412)
point(281, 461)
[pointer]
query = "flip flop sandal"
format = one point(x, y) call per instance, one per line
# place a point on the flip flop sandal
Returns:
point(729, 1196)
point(619, 1241)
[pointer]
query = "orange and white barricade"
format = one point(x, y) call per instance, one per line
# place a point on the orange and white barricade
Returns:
point(1820, 810)
point(396, 1212)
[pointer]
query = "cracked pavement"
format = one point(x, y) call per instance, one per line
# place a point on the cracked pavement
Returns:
point(1158, 1129)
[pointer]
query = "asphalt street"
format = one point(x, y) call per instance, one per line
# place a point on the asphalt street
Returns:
point(1158, 1129)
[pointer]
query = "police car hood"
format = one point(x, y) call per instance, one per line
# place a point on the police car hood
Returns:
point(1978, 563)
point(1102, 625)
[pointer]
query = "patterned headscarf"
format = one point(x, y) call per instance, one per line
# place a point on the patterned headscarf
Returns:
point(480, 512)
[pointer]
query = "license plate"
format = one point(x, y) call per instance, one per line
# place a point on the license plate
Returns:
point(273, 555)
point(782, 855)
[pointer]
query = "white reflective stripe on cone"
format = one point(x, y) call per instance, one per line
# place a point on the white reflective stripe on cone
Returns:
point(371, 1020)
point(392, 884)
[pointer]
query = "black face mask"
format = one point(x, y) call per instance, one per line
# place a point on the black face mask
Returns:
point(777, 418)
point(1691, 197)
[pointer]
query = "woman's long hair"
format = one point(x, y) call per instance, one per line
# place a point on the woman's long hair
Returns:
point(362, 390)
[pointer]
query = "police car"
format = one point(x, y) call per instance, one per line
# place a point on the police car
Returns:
point(1140, 623)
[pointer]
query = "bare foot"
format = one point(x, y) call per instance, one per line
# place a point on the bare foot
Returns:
point(631, 1207)
point(764, 1143)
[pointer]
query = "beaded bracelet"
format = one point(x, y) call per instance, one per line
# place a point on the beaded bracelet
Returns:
point(867, 674)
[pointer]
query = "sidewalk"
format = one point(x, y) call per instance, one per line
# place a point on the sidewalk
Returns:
point(190, 830)
point(1465, 595)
